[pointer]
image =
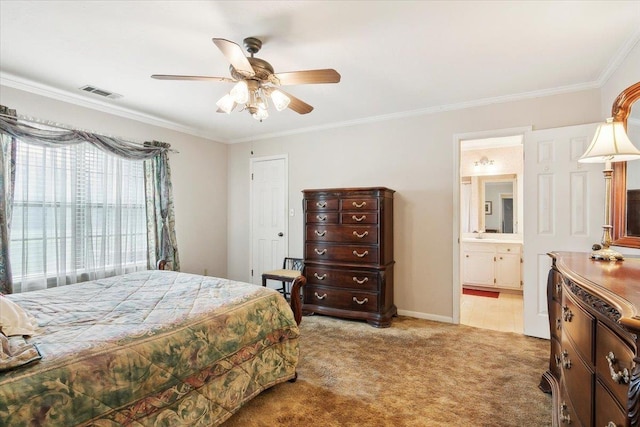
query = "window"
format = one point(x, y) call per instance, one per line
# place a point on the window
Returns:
point(78, 214)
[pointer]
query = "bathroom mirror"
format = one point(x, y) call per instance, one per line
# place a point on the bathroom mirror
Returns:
point(490, 204)
point(626, 175)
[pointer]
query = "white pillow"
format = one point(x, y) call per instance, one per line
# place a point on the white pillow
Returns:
point(14, 320)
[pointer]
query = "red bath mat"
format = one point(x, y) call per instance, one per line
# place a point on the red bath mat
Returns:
point(475, 292)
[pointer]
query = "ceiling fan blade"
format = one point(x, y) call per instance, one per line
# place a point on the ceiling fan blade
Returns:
point(178, 77)
point(234, 54)
point(297, 105)
point(327, 75)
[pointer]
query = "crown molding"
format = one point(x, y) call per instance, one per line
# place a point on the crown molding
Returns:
point(65, 96)
point(619, 58)
point(15, 82)
point(426, 111)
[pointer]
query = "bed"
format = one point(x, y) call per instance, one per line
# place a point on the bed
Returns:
point(151, 348)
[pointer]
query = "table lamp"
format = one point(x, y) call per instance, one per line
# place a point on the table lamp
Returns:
point(610, 144)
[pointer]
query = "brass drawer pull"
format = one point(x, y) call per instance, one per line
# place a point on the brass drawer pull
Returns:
point(317, 276)
point(359, 205)
point(566, 362)
point(320, 296)
point(322, 204)
point(322, 252)
point(558, 324)
point(567, 315)
point(565, 418)
point(360, 282)
point(360, 236)
point(620, 377)
point(321, 233)
point(365, 253)
point(321, 217)
point(360, 302)
point(558, 360)
point(358, 219)
point(611, 424)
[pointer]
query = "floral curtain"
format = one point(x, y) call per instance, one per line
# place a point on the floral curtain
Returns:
point(161, 233)
point(7, 183)
point(51, 137)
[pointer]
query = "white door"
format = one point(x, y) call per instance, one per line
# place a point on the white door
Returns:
point(269, 222)
point(564, 210)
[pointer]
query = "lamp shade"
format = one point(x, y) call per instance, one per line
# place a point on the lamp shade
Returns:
point(226, 104)
point(280, 100)
point(610, 143)
point(240, 92)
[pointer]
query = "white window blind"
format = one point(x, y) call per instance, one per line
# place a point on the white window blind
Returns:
point(78, 214)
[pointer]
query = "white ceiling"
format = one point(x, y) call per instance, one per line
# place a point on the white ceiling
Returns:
point(396, 58)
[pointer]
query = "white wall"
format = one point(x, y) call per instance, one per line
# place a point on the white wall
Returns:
point(413, 156)
point(199, 174)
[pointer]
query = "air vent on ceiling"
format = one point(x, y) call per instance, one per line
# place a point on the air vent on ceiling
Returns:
point(100, 92)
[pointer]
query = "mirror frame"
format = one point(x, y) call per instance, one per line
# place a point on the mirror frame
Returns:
point(620, 112)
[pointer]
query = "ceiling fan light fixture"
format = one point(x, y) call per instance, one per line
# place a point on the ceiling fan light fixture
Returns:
point(280, 100)
point(254, 81)
point(261, 113)
point(226, 103)
point(240, 92)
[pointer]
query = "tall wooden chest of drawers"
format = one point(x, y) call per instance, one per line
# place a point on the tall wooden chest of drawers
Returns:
point(348, 253)
point(594, 369)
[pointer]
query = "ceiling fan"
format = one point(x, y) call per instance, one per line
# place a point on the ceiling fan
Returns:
point(256, 82)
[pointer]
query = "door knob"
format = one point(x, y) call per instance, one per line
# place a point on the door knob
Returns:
point(280, 234)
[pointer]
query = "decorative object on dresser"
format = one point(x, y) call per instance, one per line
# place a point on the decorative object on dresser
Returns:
point(348, 253)
point(594, 318)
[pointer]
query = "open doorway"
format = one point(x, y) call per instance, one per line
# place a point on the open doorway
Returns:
point(491, 218)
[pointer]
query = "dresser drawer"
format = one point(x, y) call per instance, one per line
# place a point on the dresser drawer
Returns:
point(578, 380)
point(342, 233)
point(556, 281)
point(555, 318)
point(566, 414)
point(609, 347)
point(579, 325)
point(353, 279)
point(556, 357)
point(322, 217)
point(340, 253)
point(341, 298)
point(321, 205)
point(359, 218)
point(364, 204)
point(608, 410)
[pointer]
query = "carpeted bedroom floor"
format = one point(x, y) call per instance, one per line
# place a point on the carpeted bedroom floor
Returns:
point(415, 373)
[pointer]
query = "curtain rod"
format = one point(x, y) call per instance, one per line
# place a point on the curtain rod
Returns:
point(38, 121)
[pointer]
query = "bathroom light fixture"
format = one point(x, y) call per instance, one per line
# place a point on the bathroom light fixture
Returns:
point(610, 144)
point(484, 161)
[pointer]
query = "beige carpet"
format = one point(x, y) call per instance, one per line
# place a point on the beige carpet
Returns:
point(415, 373)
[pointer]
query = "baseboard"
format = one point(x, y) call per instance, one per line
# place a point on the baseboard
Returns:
point(426, 316)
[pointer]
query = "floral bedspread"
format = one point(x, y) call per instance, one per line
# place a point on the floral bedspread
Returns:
point(153, 348)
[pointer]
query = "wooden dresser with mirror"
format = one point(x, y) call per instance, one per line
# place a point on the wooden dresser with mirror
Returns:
point(594, 312)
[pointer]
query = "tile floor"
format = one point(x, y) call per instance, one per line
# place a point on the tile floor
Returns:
point(504, 313)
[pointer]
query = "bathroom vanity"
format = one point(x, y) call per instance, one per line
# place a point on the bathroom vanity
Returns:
point(492, 263)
